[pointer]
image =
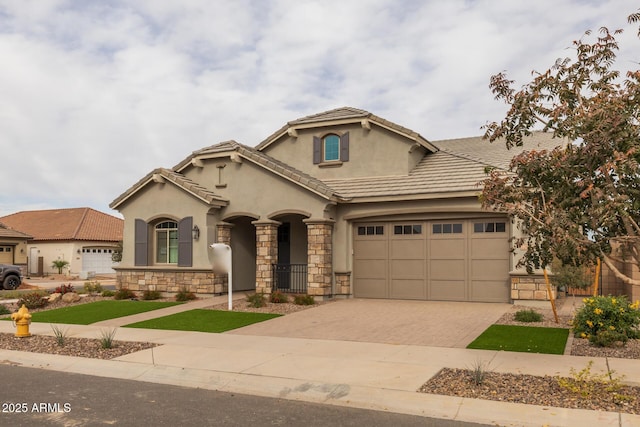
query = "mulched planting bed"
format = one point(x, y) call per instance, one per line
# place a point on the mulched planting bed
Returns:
point(529, 389)
point(79, 347)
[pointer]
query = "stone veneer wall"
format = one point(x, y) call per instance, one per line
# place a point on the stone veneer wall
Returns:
point(343, 283)
point(266, 253)
point(197, 281)
point(530, 287)
point(320, 257)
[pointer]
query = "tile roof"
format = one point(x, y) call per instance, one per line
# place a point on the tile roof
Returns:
point(176, 178)
point(346, 114)
point(459, 166)
point(67, 224)
point(9, 233)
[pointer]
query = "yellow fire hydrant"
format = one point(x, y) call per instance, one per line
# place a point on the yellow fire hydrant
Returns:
point(22, 320)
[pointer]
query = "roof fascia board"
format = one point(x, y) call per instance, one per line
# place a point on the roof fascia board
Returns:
point(410, 197)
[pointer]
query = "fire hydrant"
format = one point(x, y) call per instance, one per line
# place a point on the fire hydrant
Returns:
point(22, 320)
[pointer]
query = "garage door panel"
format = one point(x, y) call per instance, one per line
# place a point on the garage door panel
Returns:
point(407, 249)
point(447, 290)
point(407, 289)
point(489, 269)
point(407, 269)
point(371, 288)
point(447, 249)
point(447, 270)
point(489, 248)
point(370, 269)
point(490, 290)
point(372, 249)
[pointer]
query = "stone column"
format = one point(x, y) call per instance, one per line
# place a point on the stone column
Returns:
point(223, 235)
point(319, 256)
point(266, 253)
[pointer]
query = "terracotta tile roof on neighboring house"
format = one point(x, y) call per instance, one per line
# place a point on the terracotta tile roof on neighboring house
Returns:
point(458, 167)
point(67, 224)
point(180, 180)
point(8, 232)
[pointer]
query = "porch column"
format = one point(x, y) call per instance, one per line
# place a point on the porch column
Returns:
point(266, 253)
point(223, 235)
point(320, 256)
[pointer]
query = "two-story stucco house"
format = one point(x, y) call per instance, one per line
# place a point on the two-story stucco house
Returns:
point(340, 203)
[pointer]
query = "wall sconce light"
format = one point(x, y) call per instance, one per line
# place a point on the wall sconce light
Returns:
point(78, 250)
point(195, 232)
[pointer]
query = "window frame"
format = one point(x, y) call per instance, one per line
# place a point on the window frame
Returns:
point(157, 229)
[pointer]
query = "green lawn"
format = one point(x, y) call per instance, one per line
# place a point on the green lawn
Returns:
point(85, 314)
point(526, 339)
point(200, 320)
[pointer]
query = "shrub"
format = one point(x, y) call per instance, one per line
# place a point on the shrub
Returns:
point(151, 295)
point(59, 264)
point(107, 338)
point(4, 309)
point(304, 300)
point(479, 371)
point(587, 384)
point(60, 334)
point(278, 297)
point(184, 295)
point(124, 293)
point(63, 289)
point(33, 300)
point(257, 300)
point(528, 316)
point(108, 293)
point(613, 315)
point(93, 287)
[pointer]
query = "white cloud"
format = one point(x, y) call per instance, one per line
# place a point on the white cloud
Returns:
point(97, 94)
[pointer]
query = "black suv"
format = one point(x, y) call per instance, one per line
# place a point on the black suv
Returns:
point(10, 276)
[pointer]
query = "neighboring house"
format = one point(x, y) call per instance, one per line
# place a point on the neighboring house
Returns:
point(84, 237)
point(13, 247)
point(341, 203)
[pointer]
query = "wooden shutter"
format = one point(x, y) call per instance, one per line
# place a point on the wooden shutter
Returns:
point(141, 238)
point(317, 150)
point(185, 242)
point(344, 147)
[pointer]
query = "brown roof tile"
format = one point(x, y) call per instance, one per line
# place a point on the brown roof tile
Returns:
point(67, 224)
point(8, 232)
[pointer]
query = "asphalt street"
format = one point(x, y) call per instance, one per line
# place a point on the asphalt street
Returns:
point(30, 397)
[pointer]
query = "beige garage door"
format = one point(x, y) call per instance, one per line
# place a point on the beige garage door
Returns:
point(459, 260)
point(6, 254)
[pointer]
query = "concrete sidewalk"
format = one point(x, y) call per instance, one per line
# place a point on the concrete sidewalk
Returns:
point(357, 374)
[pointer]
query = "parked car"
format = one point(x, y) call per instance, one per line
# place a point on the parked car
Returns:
point(10, 276)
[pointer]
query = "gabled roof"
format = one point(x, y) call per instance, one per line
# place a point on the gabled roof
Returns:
point(233, 148)
point(345, 115)
point(162, 175)
point(67, 224)
point(459, 167)
point(9, 233)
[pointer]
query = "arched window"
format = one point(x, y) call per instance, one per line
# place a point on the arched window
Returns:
point(167, 242)
point(331, 148)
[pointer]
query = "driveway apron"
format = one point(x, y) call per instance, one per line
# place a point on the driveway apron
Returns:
point(426, 323)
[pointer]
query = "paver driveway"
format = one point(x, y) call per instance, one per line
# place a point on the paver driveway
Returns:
point(430, 323)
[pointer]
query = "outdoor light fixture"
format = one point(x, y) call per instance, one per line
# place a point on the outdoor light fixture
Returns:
point(195, 232)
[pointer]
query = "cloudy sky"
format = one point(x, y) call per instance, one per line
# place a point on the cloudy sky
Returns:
point(95, 94)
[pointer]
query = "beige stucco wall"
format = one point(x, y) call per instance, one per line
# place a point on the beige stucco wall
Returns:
point(371, 152)
point(67, 251)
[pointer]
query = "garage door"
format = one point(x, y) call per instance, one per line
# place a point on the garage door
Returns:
point(6, 254)
point(459, 260)
point(97, 260)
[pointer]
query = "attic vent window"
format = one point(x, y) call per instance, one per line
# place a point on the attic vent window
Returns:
point(331, 149)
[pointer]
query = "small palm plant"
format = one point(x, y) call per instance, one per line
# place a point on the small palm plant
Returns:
point(59, 264)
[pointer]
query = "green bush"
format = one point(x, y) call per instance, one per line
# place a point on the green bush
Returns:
point(605, 320)
point(33, 300)
point(108, 293)
point(257, 300)
point(107, 338)
point(304, 300)
point(151, 295)
point(184, 295)
point(93, 287)
point(124, 293)
point(278, 297)
point(4, 310)
point(528, 316)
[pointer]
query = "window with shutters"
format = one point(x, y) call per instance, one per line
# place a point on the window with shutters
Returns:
point(331, 149)
point(167, 242)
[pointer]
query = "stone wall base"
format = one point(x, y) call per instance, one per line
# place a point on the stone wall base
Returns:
point(196, 281)
point(530, 287)
point(343, 283)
